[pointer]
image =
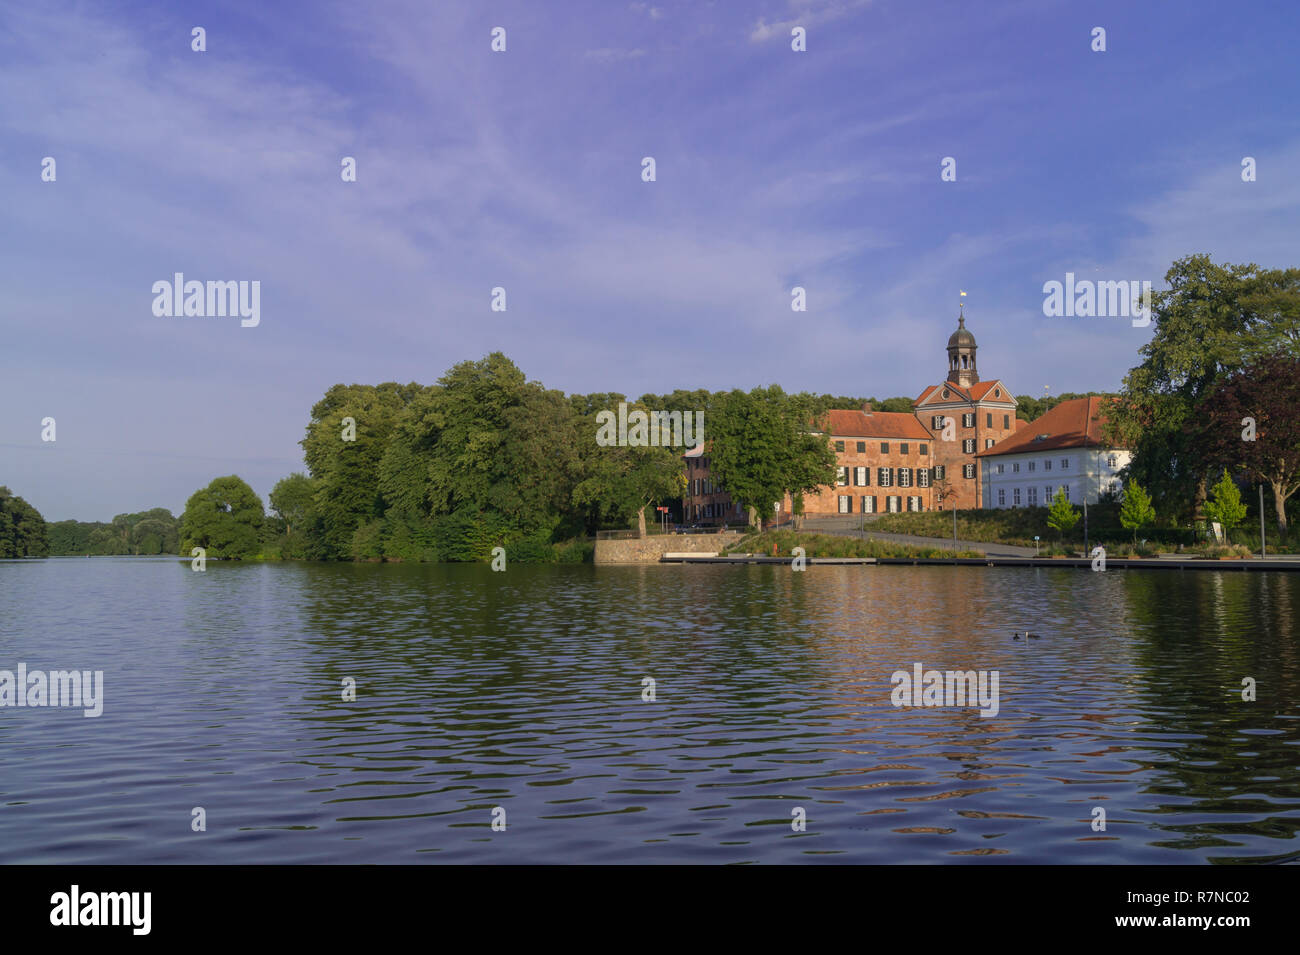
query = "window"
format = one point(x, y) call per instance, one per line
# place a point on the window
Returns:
point(1065, 488)
point(968, 470)
point(893, 504)
point(1048, 494)
point(1032, 465)
point(846, 504)
point(902, 448)
point(1015, 497)
point(884, 447)
point(925, 449)
point(988, 443)
point(868, 504)
point(1065, 464)
point(1006, 422)
point(940, 470)
point(904, 477)
point(1002, 497)
point(988, 419)
point(839, 445)
point(1047, 465)
point(1001, 468)
point(913, 503)
point(936, 422)
point(1015, 467)
point(968, 446)
point(922, 477)
point(1112, 461)
point(1033, 496)
point(862, 447)
point(884, 477)
point(841, 476)
point(968, 420)
point(860, 477)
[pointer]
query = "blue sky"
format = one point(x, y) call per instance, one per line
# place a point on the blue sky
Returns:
point(522, 169)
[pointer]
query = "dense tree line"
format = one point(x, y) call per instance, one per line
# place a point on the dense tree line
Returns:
point(149, 532)
point(486, 458)
point(22, 529)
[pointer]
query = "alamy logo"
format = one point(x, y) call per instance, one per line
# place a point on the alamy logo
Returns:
point(103, 908)
point(946, 688)
point(1089, 299)
point(654, 429)
point(57, 688)
point(195, 299)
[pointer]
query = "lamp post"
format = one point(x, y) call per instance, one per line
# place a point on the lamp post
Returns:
point(1263, 549)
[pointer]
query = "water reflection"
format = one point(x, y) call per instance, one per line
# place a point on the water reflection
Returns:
point(523, 690)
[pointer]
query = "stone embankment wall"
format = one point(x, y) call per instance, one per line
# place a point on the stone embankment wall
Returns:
point(648, 550)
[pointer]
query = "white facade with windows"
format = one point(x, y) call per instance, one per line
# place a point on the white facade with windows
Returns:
point(1034, 476)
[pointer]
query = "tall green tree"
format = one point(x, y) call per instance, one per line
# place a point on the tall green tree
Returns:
point(225, 518)
point(23, 532)
point(1135, 511)
point(620, 481)
point(1208, 324)
point(487, 456)
point(346, 439)
point(1224, 504)
point(763, 444)
point(1062, 515)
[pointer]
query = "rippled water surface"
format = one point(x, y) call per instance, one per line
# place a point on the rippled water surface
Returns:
point(523, 690)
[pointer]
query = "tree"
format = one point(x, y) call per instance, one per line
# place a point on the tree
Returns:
point(763, 447)
point(622, 480)
point(1225, 506)
point(225, 518)
point(1062, 515)
point(23, 532)
point(1254, 423)
point(292, 500)
point(1136, 511)
point(346, 439)
point(1209, 323)
point(487, 456)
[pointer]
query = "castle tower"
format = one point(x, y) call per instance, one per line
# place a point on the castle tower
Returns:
point(961, 355)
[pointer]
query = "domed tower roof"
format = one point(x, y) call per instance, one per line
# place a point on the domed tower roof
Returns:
point(962, 335)
point(961, 355)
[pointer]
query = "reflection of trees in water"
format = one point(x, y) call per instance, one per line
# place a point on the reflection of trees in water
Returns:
point(1198, 635)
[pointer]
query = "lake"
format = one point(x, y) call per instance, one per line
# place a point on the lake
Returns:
point(519, 696)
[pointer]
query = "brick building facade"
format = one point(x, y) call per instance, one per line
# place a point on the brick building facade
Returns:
point(890, 461)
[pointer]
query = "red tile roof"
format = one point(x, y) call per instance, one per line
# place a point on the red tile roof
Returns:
point(1071, 424)
point(879, 424)
point(976, 392)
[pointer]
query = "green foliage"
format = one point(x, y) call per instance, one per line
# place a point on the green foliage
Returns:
point(618, 482)
point(146, 533)
point(1136, 511)
point(1211, 323)
point(225, 518)
point(761, 447)
point(835, 545)
point(346, 472)
point(1224, 505)
point(23, 532)
point(1062, 515)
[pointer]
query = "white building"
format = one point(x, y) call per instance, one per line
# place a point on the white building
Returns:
point(1062, 449)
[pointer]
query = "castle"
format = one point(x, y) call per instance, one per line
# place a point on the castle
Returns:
point(892, 461)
